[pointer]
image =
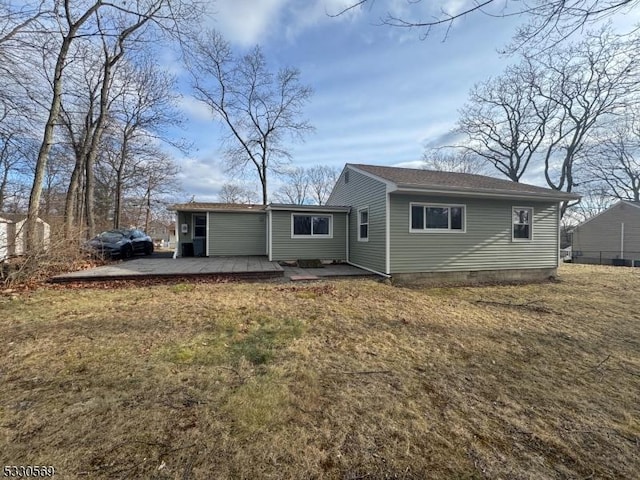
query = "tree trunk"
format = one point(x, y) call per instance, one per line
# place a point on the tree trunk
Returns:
point(45, 147)
point(54, 112)
point(71, 198)
point(3, 187)
point(117, 210)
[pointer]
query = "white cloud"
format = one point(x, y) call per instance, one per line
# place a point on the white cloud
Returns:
point(195, 109)
point(201, 177)
point(247, 22)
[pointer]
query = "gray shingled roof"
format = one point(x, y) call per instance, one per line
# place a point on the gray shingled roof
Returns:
point(458, 182)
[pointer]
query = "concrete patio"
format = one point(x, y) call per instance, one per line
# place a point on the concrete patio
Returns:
point(162, 266)
point(156, 267)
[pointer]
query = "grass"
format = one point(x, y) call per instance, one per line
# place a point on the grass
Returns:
point(346, 379)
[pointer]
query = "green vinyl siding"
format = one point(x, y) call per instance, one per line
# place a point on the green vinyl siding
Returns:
point(486, 244)
point(363, 191)
point(235, 233)
point(286, 248)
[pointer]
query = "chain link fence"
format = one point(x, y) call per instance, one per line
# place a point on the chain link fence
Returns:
point(606, 257)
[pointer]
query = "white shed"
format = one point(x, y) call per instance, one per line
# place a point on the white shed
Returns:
point(13, 235)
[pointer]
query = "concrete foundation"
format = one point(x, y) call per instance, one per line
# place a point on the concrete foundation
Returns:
point(531, 275)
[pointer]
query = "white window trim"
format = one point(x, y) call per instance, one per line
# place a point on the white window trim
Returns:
point(193, 224)
point(316, 236)
point(360, 239)
point(530, 239)
point(438, 205)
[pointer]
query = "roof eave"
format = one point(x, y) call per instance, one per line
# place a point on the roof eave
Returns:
point(308, 208)
point(486, 193)
point(187, 208)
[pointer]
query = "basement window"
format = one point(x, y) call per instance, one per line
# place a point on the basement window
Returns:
point(436, 218)
point(311, 226)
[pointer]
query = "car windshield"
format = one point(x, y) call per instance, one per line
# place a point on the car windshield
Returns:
point(111, 236)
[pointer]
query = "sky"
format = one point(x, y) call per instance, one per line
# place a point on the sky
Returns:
point(381, 94)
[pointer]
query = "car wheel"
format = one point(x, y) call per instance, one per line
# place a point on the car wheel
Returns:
point(148, 249)
point(127, 252)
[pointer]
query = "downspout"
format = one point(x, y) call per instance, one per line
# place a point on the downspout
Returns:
point(622, 240)
point(175, 249)
point(559, 234)
point(206, 240)
point(347, 246)
point(270, 228)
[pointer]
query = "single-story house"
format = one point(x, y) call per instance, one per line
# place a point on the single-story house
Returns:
point(611, 237)
point(13, 235)
point(404, 223)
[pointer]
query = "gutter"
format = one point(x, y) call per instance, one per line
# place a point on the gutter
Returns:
point(480, 193)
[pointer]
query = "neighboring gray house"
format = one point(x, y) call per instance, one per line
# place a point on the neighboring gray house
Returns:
point(611, 237)
point(399, 222)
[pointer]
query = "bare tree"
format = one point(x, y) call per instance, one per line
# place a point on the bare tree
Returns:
point(237, 193)
point(137, 122)
point(613, 164)
point(260, 109)
point(321, 179)
point(115, 24)
point(294, 188)
point(457, 160)
point(504, 121)
point(594, 201)
point(592, 82)
point(156, 181)
point(568, 93)
point(555, 19)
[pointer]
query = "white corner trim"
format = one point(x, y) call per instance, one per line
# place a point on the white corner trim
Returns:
point(208, 238)
point(387, 228)
point(175, 250)
point(347, 252)
point(559, 233)
point(270, 234)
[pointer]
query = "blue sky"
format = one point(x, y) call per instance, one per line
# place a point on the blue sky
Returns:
point(380, 94)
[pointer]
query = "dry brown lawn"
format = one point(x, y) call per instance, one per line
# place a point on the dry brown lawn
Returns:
point(346, 379)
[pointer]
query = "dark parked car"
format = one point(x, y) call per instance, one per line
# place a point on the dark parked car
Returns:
point(120, 243)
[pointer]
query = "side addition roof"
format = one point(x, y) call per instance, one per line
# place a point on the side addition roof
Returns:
point(406, 180)
point(216, 207)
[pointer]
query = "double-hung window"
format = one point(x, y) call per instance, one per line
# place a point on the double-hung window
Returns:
point(522, 220)
point(307, 226)
point(437, 218)
point(363, 225)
